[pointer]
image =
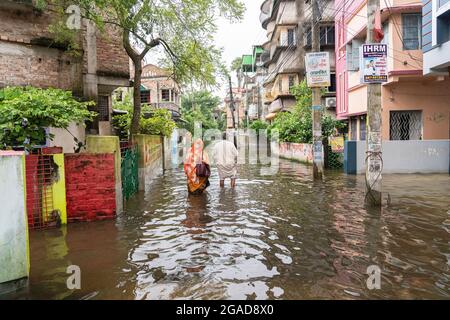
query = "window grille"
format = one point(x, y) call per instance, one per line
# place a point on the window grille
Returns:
point(405, 125)
point(412, 29)
point(103, 108)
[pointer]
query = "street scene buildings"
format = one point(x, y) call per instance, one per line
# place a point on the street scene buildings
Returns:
point(335, 121)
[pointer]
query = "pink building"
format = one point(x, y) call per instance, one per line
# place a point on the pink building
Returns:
point(414, 107)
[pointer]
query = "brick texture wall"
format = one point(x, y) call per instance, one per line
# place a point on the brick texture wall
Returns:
point(112, 59)
point(90, 187)
point(28, 56)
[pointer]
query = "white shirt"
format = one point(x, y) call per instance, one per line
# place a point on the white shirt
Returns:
point(225, 153)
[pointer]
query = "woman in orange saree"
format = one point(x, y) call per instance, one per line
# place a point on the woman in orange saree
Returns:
point(196, 185)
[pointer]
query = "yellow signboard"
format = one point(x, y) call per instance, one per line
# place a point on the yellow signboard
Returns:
point(337, 144)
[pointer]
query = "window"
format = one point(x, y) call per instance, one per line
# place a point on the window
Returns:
point(280, 85)
point(145, 96)
point(165, 95)
point(362, 128)
point(327, 35)
point(332, 87)
point(412, 29)
point(291, 82)
point(291, 37)
point(405, 125)
point(352, 51)
point(308, 36)
point(103, 108)
point(353, 128)
point(443, 27)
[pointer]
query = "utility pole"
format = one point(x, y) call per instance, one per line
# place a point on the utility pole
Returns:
point(232, 111)
point(316, 98)
point(373, 139)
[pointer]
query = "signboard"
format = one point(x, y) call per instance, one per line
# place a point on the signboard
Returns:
point(318, 69)
point(337, 144)
point(373, 63)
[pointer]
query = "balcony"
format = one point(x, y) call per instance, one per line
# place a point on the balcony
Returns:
point(265, 14)
point(169, 105)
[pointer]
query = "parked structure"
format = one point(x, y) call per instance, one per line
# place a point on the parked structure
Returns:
point(284, 54)
point(436, 37)
point(414, 107)
point(29, 55)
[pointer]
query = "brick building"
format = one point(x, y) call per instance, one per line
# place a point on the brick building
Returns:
point(29, 55)
point(158, 89)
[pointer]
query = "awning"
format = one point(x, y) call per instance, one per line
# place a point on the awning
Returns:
point(270, 116)
point(276, 105)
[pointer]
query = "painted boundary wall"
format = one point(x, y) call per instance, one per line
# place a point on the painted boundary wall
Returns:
point(109, 144)
point(14, 249)
point(302, 152)
point(412, 156)
point(151, 160)
point(90, 186)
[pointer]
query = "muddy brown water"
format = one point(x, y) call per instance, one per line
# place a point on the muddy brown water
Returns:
point(274, 237)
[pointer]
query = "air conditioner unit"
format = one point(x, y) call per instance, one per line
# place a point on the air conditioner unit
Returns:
point(330, 102)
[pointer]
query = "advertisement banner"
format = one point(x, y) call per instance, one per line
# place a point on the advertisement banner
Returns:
point(337, 144)
point(373, 63)
point(318, 69)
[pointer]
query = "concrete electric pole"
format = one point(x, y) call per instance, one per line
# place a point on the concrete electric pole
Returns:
point(373, 139)
point(316, 98)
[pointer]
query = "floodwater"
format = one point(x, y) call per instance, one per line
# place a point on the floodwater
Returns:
point(282, 236)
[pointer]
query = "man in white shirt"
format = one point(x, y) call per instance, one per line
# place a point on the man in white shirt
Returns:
point(225, 158)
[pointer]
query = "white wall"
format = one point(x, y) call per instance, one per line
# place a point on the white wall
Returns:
point(14, 263)
point(412, 156)
point(64, 139)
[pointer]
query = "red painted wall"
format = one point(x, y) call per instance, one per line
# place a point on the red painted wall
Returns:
point(90, 186)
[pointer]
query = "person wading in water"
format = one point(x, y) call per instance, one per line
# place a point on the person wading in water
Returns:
point(225, 158)
point(196, 167)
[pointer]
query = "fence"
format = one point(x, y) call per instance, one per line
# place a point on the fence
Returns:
point(129, 169)
point(45, 185)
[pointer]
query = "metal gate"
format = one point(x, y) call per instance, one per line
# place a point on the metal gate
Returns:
point(40, 172)
point(129, 170)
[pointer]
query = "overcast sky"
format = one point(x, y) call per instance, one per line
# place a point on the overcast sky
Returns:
point(238, 38)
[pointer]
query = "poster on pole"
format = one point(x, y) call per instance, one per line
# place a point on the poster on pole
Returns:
point(373, 63)
point(318, 69)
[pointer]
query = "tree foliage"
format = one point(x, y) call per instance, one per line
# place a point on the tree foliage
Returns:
point(182, 28)
point(153, 121)
point(200, 106)
point(25, 113)
point(296, 126)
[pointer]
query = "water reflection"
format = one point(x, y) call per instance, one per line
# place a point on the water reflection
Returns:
point(273, 237)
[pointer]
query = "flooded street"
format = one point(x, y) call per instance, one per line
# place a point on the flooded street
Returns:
point(274, 237)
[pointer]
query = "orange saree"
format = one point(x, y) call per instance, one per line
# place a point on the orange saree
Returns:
point(196, 185)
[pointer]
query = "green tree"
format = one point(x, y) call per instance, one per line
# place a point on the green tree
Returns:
point(183, 28)
point(152, 121)
point(296, 126)
point(201, 106)
point(25, 113)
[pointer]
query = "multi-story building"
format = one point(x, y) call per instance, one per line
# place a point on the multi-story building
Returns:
point(436, 37)
point(414, 107)
point(159, 89)
point(30, 55)
point(253, 73)
point(284, 54)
